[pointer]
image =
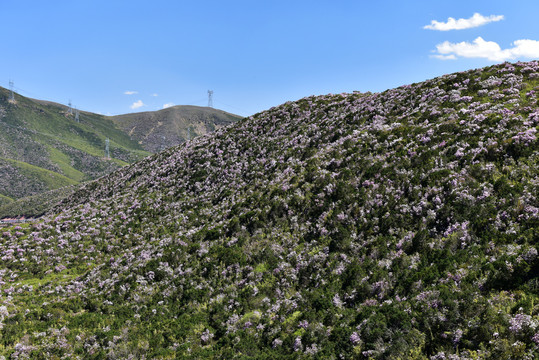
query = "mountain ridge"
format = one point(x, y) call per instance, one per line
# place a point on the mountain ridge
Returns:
point(39, 134)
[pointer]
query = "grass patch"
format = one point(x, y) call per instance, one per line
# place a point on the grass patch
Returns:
point(64, 162)
point(51, 179)
point(4, 200)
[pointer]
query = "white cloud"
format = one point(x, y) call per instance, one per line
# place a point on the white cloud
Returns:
point(526, 48)
point(444, 57)
point(487, 50)
point(137, 104)
point(475, 21)
point(155, 95)
point(167, 105)
point(130, 92)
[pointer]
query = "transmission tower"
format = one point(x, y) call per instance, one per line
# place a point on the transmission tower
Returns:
point(210, 98)
point(77, 115)
point(11, 94)
point(188, 134)
point(70, 110)
point(107, 152)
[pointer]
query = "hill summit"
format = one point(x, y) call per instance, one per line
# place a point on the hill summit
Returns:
point(158, 130)
point(395, 225)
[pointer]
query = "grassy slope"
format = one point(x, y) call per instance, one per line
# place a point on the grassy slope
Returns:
point(36, 205)
point(150, 127)
point(4, 200)
point(52, 121)
point(51, 179)
point(42, 134)
point(64, 162)
point(173, 125)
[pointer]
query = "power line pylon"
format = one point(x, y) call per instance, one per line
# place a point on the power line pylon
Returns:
point(11, 94)
point(77, 119)
point(107, 152)
point(210, 98)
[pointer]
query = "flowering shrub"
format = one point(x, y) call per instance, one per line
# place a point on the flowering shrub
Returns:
point(401, 224)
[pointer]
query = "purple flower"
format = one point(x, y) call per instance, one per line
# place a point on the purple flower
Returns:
point(519, 322)
point(457, 335)
point(354, 338)
point(297, 344)
point(525, 137)
point(303, 324)
point(206, 336)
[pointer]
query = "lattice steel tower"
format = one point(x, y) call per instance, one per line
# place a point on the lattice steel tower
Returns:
point(107, 152)
point(210, 98)
point(11, 94)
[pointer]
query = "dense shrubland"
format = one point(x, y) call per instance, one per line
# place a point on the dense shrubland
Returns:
point(402, 224)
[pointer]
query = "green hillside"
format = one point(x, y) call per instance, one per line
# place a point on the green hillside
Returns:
point(157, 130)
point(35, 205)
point(4, 200)
point(42, 147)
point(395, 225)
point(22, 177)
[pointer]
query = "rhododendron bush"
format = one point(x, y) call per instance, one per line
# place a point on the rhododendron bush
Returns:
point(400, 224)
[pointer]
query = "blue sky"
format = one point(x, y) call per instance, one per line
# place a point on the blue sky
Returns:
point(252, 54)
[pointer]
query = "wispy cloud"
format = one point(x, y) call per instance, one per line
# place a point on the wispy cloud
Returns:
point(459, 24)
point(137, 104)
point(444, 57)
point(154, 95)
point(130, 92)
point(167, 105)
point(490, 50)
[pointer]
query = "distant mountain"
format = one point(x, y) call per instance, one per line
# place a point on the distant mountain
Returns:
point(43, 147)
point(395, 225)
point(157, 130)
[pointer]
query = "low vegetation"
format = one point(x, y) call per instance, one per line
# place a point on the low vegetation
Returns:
point(396, 225)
